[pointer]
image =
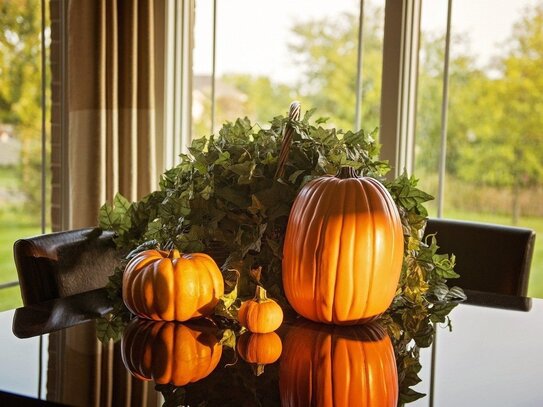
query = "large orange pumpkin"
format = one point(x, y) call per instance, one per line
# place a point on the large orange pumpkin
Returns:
point(343, 249)
point(168, 286)
point(325, 365)
point(171, 352)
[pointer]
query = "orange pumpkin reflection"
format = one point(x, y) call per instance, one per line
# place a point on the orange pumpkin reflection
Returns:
point(171, 352)
point(259, 349)
point(338, 366)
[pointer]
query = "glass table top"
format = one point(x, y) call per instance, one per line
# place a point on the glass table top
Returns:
point(490, 355)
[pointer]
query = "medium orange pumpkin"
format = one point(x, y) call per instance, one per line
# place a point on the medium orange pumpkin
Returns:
point(324, 365)
point(259, 349)
point(343, 249)
point(168, 286)
point(171, 352)
point(260, 314)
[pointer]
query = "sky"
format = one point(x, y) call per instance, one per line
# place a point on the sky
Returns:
point(252, 35)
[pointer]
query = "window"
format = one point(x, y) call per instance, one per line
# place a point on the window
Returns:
point(252, 59)
point(493, 168)
point(24, 152)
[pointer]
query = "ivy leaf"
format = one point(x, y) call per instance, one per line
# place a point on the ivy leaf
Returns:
point(456, 293)
point(222, 310)
point(154, 230)
point(231, 281)
point(410, 396)
point(110, 327)
point(228, 339)
point(114, 216)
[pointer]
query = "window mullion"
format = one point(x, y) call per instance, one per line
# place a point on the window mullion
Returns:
point(358, 112)
point(399, 83)
point(444, 116)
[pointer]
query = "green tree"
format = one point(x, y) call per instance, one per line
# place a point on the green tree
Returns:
point(464, 105)
point(20, 86)
point(239, 95)
point(326, 52)
point(264, 98)
point(506, 147)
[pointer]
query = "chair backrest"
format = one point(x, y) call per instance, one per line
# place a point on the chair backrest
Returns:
point(489, 257)
point(60, 264)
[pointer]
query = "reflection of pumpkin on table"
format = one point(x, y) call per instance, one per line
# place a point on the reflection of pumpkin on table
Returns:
point(338, 366)
point(170, 352)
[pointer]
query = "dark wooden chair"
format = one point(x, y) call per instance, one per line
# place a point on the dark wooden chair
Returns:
point(489, 257)
point(61, 264)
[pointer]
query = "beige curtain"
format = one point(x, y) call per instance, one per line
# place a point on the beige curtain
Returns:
point(111, 106)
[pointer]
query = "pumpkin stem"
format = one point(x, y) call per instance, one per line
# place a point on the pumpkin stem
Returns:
point(260, 294)
point(174, 254)
point(346, 172)
point(258, 369)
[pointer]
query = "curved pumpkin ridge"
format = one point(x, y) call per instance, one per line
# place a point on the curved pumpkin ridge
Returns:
point(130, 280)
point(137, 274)
point(359, 241)
point(293, 277)
point(368, 283)
point(251, 314)
point(393, 260)
point(204, 283)
point(149, 294)
point(209, 283)
point(164, 284)
point(344, 288)
point(323, 288)
point(334, 227)
point(299, 209)
point(379, 198)
point(135, 293)
point(186, 277)
point(130, 277)
point(177, 291)
point(311, 241)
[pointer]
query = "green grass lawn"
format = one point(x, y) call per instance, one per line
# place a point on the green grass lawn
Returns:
point(13, 225)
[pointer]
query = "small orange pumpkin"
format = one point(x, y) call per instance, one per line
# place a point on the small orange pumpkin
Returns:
point(259, 349)
point(171, 352)
point(260, 314)
point(325, 365)
point(168, 286)
point(343, 249)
